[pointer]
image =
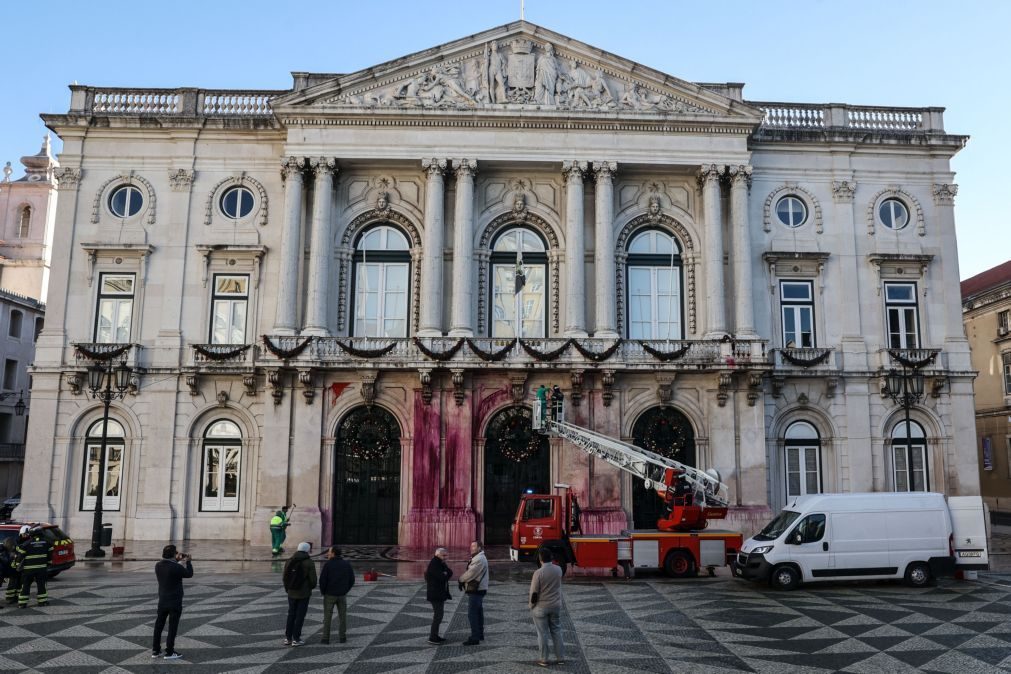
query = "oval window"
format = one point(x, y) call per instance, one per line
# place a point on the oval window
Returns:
point(125, 201)
point(791, 211)
point(237, 202)
point(893, 214)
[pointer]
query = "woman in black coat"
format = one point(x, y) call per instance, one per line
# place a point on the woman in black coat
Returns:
point(437, 591)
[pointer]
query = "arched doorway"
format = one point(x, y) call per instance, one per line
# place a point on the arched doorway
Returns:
point(667, 432)
point(516, 458)
point(367, 477)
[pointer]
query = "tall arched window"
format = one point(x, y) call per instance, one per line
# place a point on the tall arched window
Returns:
point(909, 457)
point(25, 222)
point(802, 460)
point(222, 466)
point(114, 447)
point(654, 286)
point(519, 289)
point(382, 272)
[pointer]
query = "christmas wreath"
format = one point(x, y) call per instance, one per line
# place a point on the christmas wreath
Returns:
point(367, 435)
point(665, 436)
point(545, 355)
point(515, 438)
point(490, 356)
point(365, 353)
point(285, 354)
point(664, 356)
point(593, 355)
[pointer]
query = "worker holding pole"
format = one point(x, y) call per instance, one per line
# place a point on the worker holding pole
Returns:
point(278, 524)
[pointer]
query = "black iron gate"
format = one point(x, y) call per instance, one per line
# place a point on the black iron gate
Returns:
point(667, 432)
point(516, 458)
point(367, 478)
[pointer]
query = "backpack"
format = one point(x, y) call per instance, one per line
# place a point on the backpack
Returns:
point(292, 576)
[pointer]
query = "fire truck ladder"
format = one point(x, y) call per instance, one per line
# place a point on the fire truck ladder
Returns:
point(657, 472)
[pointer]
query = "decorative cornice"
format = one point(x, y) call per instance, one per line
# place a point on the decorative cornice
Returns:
point(944, 193)
point(181, 179)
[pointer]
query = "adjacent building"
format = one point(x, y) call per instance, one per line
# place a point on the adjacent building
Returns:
point(986, 310)
point(343, 295)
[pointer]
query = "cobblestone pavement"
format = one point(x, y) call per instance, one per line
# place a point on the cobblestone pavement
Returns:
point(102, 622)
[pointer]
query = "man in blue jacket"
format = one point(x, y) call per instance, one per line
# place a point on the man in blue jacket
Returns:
point(173, 567)
point(335, 581)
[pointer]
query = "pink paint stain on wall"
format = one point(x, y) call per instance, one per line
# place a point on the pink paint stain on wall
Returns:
point(425, 465)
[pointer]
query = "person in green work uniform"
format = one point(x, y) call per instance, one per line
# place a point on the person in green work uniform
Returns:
point(542, 401)
point(14, 579)
point(278, 523)
point(32, 559)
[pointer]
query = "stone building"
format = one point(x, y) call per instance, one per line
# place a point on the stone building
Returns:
point(344, 295)
point(986, 310)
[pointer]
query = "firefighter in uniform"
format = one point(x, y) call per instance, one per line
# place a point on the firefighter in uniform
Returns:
point(278, 524)
point(33, 558)
point(14, 582)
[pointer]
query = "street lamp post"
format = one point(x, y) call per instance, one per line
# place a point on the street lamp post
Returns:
point(905, 387)
point(106, 383)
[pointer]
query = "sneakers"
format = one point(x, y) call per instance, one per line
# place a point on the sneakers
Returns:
point(155, 654)
point(435, 642)
point(471, 642)
point(297, 642)
point(286, 642)
point(173, 656)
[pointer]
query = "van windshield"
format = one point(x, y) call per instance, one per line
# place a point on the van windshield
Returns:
point(776, 527)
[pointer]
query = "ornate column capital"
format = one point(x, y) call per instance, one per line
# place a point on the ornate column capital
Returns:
point(67, 178)
point(605, 170)
point(181, 179)
point(466, 167)
point(710, 173)
point(944, 193)
point(739, 174)
point(323, 166)
point(843, 191)
point(292, 166)
point(574, 170)
point(434, 167)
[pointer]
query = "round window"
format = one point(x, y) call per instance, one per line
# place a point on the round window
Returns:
point(791, 211)
point(125, 201)
point(237, 202)
point(893, 214)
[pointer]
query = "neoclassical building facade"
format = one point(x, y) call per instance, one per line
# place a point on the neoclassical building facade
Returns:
point(344, 295)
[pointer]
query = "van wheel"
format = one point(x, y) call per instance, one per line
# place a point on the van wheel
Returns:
point(918, 575)
point(785, 578)
point(679, 564)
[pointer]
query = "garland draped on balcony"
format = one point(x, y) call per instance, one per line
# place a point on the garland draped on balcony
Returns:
point(220, 355)
point(490, 356)
point(365, 353)
point(593, 355)
point(436, 355)
point(664, 356)
point(285, 354)
point(912, 364)
point(804, 362)
point(545, 356)
point(101, 355)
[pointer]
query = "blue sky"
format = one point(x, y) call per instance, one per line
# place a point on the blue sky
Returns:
point(887, 52)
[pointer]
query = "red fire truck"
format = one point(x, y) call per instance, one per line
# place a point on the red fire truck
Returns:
point(680, 545)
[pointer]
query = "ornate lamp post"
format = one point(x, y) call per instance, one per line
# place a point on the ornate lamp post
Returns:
point(905, 387)
point(106, 383)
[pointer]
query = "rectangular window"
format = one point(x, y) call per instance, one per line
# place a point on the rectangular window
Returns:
point(221, 478)
point(14, 329)
point(115, 309)
point(10, 374)
point(1006, 357)
point(381, 299)
point(654, 303)
point(113, 473)
point(803, 471)
point(796, 299)
point(506, 303)
point(910, 467)
point(1003, 322)
point(901, 316)
point(39, 324)
point(228, 309)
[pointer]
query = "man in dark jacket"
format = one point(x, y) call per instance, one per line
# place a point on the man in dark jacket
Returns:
point(299, 579)
point(14, 583)
point(173, 567)
point(32, 558)
point(335, 581)
point(437, 591)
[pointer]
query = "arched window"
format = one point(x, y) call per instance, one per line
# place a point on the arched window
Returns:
point(114, 447)
point(382, 272)
point(222, 465)
point(25, 222)
point(909, 457)
point(519, 289)
point(802, 460)
point(654, 286)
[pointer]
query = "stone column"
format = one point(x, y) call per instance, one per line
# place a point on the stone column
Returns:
point(286, 316)
point(322, 248)
point(431, 270)
point(744, 311)
point(709, 177)
point(463, 249)
point(604, 250)
point(575, 276)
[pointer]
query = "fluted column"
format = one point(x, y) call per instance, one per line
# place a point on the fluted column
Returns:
point(744, 311)
point(431, 270)
point(286, 313)
point(321, 251)
point(604, 250)
point(575, 249)
point(709, 177)
point(463, 249)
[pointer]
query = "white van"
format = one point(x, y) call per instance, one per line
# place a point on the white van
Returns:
point(905, 535)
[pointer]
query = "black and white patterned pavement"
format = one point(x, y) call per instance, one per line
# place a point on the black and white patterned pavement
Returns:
point(102, 622)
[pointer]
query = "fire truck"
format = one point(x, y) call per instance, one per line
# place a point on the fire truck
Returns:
point(681, 544)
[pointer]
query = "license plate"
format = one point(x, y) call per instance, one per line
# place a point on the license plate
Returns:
point(970, 553)
point(63, 552)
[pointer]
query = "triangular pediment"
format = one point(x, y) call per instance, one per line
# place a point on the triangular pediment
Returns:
point(519, 67)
